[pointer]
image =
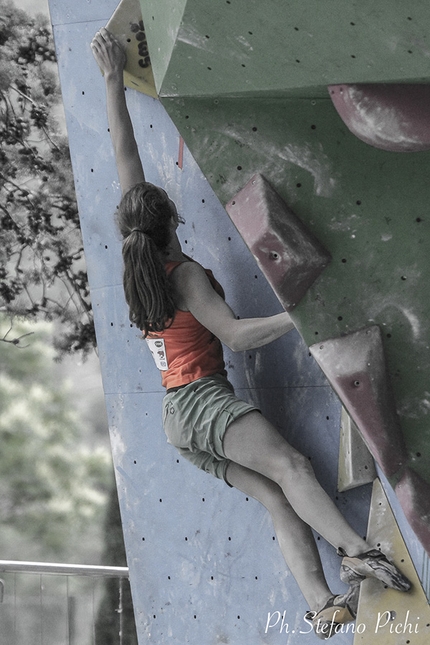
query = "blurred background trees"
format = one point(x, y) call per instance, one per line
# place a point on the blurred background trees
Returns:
point(42, 273)
point(58, 497)
point(55, 475)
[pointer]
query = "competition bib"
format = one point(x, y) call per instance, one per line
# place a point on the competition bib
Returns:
point(158, 351)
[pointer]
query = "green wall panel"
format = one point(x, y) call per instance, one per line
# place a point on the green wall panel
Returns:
point(236, 46)
point(162, 20)
point(368, 207)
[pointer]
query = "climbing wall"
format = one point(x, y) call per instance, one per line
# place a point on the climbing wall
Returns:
point(244, 107)
point(204, 562)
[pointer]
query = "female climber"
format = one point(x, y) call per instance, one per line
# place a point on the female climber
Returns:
point(181, 311)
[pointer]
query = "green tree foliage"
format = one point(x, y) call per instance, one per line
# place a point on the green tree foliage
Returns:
point(57, 491)
point(42, 272)
point(54, 485)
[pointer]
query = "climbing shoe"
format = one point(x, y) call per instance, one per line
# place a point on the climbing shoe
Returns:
point(350, 599)
point(328, 621)
point(372, 564)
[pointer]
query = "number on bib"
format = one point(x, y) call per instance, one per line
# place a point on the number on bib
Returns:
point(158, 351)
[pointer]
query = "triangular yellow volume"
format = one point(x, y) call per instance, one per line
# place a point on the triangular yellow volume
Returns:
point(385, 616)
point(127, 26)
point(356, 465)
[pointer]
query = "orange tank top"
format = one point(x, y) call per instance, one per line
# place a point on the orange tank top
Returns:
point(186, 351)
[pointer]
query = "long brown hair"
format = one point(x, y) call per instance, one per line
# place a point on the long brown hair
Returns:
point(144, 219)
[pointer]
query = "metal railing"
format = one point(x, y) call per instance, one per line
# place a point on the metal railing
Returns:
point(17, 566)
point(42, 603)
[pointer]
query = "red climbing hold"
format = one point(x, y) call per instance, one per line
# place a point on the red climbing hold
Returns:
point(394, 117)
point(289, 255)
point(355, 366)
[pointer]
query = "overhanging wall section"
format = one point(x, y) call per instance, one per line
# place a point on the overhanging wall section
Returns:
point(246, 86)
point(248, 46)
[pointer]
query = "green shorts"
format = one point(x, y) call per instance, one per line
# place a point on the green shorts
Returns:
point(196, 417)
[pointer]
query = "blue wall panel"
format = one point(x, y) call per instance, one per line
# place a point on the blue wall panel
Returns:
point(205, 567)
